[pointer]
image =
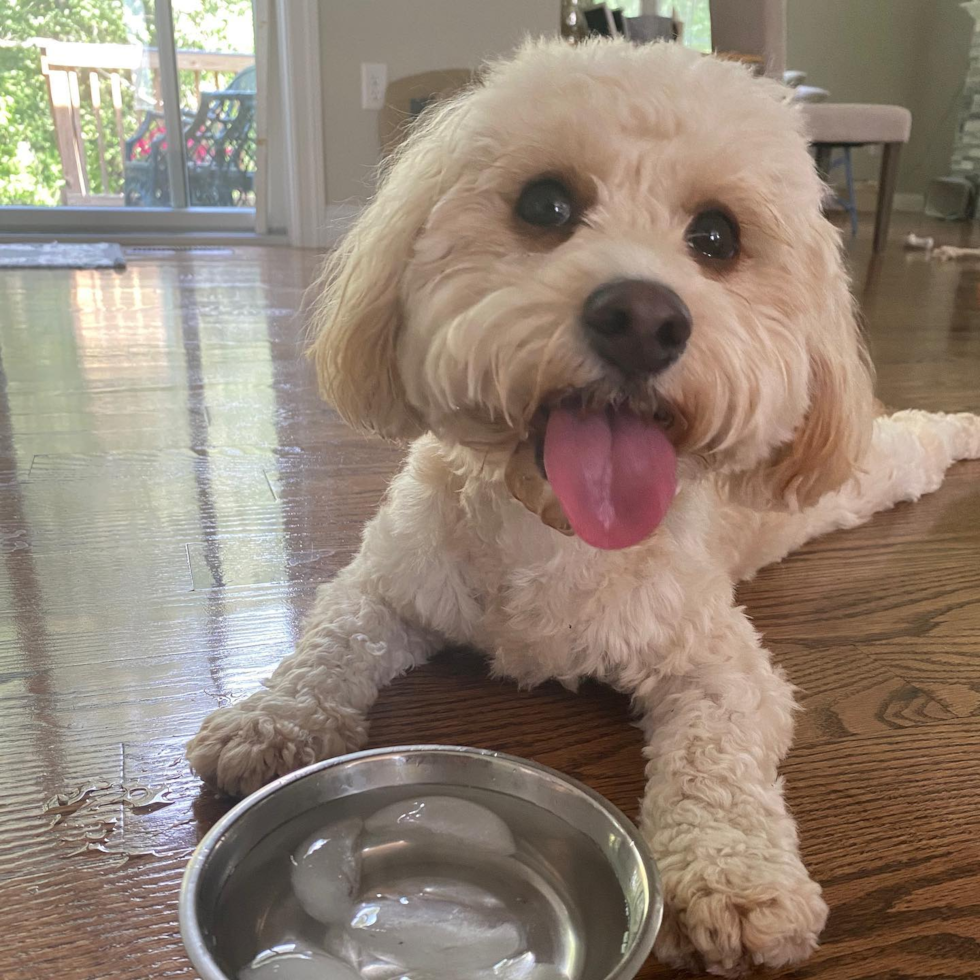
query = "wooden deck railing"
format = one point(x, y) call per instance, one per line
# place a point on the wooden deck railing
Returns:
point(67, 65)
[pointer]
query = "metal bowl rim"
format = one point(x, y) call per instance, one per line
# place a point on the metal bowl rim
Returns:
point(628, 965)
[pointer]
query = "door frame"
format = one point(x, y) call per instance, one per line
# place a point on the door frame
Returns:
point(305, 214)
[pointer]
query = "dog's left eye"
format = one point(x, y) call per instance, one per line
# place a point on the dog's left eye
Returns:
point(713, 234)
point(546, 203)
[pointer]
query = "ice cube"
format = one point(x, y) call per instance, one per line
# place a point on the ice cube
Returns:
point(545, 971)
point(327, 871)
point(523, 967)
point(516, 968)
point(442, 890)
point(454, 819)
point(381, 969)
point(291, 960)
point(427, 936)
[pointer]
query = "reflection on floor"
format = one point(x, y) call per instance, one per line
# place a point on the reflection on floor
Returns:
point(171, 491)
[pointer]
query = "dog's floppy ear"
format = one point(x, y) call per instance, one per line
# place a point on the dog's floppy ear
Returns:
point(358, 313)
point(828, 446)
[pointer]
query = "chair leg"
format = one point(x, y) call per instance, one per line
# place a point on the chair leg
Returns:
point(886, 193)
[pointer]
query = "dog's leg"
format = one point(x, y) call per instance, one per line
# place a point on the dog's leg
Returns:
point(314, 705)
point(382, 615)
point(909, 455)
point(736, 891)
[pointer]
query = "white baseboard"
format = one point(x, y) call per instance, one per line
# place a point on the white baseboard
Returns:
point(910, 202)
point(866, 192)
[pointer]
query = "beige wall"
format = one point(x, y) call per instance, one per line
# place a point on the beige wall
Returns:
point(410, 36)
point(940, 91)
point(907, 52)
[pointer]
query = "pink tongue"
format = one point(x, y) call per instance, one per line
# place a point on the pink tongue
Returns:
point(614, 474)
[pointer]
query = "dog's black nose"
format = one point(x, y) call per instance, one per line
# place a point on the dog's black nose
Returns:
point(638, 326)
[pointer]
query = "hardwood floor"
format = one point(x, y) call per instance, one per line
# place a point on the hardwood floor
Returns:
point(171, 491)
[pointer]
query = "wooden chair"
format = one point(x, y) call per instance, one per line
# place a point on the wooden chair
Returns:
point(405, 98)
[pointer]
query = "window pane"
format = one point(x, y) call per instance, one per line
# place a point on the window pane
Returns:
point(80, 105)
point(216, 68)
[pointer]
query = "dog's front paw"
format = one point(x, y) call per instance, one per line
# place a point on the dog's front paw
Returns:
point(241, 747)
point(728, 919)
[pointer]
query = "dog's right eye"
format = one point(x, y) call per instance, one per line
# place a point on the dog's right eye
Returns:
point(546, 203)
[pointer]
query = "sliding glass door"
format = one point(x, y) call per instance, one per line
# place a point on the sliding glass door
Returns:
point(128, 115)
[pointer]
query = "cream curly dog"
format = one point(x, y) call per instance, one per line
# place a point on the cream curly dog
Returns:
point(599, 294)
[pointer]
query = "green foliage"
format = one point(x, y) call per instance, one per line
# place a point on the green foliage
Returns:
point(30, 167)
point(696, 15)
point(210, 25)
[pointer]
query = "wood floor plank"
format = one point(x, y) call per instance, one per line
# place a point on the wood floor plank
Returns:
point(172, 491)
point(844, 692)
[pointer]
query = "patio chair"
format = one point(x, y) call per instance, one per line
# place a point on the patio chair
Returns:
point(220, 141)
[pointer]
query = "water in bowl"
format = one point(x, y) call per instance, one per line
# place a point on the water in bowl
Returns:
point(422, 883)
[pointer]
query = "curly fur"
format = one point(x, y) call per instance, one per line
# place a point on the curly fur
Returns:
point(440, 320)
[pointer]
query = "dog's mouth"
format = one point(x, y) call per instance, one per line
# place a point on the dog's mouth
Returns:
point(612, 466)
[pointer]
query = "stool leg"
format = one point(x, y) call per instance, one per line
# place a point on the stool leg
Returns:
point(823, 158)
point(852, 204)
point(886, 193)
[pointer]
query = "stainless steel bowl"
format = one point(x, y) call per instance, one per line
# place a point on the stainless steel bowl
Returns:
point(607, 877)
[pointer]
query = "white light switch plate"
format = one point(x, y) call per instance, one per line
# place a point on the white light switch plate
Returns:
point(374, 81)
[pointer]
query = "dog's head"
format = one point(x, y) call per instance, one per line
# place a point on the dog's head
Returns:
point(616, 254)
